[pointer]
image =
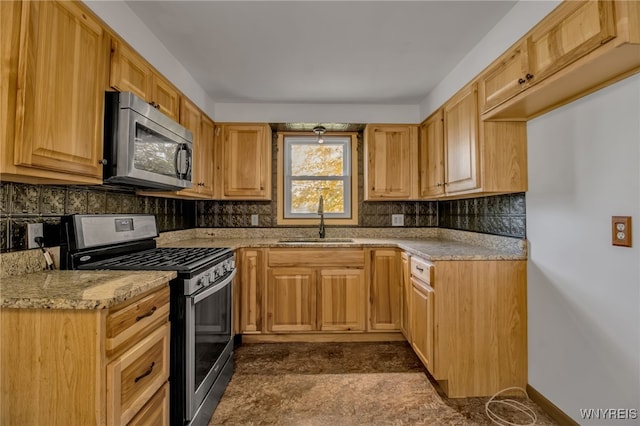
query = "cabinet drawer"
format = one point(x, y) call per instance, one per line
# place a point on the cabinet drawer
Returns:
point(134, 377)
point(422, 269)
point(136, 318)
point(156, 411)
point(316, 257)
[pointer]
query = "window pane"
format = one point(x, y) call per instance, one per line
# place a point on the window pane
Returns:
point(317, 160)
point(306, 193)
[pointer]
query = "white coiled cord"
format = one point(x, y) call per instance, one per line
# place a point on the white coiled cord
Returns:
point(516, 405)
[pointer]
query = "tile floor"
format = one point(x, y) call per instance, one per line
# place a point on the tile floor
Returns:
point(343, 384)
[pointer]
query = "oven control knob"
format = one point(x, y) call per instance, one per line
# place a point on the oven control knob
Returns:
point(202, 281)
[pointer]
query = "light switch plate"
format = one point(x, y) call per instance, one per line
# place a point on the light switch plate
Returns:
point(397, 220)
point(621, 231)
point(254, 220)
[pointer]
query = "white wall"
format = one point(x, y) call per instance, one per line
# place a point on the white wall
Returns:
point(584, 293)
point(317, 113)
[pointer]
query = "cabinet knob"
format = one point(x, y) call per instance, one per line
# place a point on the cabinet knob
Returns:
point(103, 161)
point(529, 76)
point(521, 81)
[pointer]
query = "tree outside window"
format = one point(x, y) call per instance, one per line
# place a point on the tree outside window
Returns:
point(311, 170)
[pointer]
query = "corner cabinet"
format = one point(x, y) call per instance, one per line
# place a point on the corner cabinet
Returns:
point(87, 367)
point(56, 56)
point(391, 171)
point(461, 156)
point(243, 169)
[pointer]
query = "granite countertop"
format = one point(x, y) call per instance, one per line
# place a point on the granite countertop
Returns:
point(77, 289)
point(431, 249)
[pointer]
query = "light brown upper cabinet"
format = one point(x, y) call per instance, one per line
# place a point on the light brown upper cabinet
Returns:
point(463, 156)
point(576, 49)
point(391, 170)
point(431, 156)
point(244, 166)
point(131, 73)
point(202, 167)
point(56, 56)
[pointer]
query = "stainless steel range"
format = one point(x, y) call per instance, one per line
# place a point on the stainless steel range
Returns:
point(201, 335)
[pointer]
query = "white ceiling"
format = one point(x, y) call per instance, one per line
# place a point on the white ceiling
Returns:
point(319, 52)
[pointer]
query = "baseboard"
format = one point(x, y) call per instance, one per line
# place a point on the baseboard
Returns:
point(550, 408)
point(323, 337)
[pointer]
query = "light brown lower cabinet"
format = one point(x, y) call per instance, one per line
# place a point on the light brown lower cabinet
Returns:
point(385, 290)
point(301, 290)
point(421, 301)
point(291, 300)
point(469, 324)
point(87, 367)
point(405, 319)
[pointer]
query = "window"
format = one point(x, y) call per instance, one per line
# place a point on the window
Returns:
point(307, 170)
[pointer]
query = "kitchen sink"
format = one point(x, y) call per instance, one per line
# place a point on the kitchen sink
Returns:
point(315, 240)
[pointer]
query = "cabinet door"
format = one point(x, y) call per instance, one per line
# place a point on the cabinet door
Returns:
point(342, 300)
point(431, 157)
point(61, 82)
point(405, 319)
point(385, 290)
point(505, 79)
point(579, 28)
point(250, 291)
point(422, 326)
point(391, 169)
point(205, 162)
point(461, 141)
point(129, 72)
point(135, 376)
point(191, 118)
point(291, 299)
point(247, 162)
point(165, 97)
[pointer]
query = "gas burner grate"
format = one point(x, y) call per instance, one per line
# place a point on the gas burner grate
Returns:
point(164, 258)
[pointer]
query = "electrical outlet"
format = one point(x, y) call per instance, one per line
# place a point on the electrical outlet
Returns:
point(621, 231)
point(397, 220)
point(33, 230)
point(254, 220)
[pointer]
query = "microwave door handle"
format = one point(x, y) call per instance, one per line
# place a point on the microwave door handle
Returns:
point(182, 162)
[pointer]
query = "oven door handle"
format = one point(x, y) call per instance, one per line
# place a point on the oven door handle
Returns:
point(210, 290)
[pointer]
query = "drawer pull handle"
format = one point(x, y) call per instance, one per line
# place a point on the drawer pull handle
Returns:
point(419, 269)
point(145, 374)
point(148, 314)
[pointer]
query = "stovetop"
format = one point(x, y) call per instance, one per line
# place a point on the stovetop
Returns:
point(178, 259)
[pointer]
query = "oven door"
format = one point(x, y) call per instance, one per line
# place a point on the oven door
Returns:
point(208, 340)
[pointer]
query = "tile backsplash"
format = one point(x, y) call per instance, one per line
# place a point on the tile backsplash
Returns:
point(499, 215)
point(21, 204)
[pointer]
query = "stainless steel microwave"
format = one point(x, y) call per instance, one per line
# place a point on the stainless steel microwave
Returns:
point(143, 147)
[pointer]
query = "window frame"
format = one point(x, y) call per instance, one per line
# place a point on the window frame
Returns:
point(350, 190)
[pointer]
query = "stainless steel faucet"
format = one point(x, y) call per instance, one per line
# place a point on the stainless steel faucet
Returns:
point(321, 213)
